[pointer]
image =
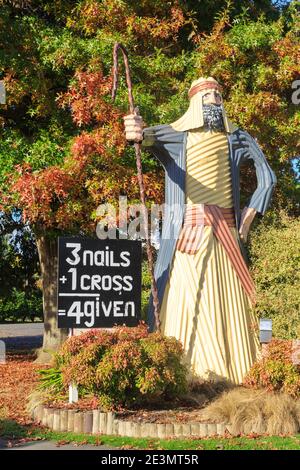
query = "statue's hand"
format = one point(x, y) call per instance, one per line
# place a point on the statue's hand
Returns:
point(247, 217)
point(133, 127)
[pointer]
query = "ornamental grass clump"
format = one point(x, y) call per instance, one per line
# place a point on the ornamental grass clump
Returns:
point(275, 371)
point(246, 411)
point(123, 367)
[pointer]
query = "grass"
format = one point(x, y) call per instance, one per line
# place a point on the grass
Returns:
point(11, 430)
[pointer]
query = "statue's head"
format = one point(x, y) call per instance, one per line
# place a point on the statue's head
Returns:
point(207, 93)
point(205, 109)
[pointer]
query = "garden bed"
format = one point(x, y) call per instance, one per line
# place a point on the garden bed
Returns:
point(240, 411)
point(98, 422)
point(181, 412)
point(140, 377)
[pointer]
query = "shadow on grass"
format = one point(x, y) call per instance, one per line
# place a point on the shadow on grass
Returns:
point(10, 429)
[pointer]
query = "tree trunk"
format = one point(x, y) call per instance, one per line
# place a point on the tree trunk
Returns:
point(53, 337)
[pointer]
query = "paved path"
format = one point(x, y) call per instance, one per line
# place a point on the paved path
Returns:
point(22, 335)
point(50, 445)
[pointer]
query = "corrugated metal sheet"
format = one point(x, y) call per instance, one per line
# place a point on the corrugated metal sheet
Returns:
point(169, 147)
point(204, 303)
point(208, 312)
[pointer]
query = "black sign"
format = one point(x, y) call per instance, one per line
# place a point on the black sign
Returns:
point(99, 282)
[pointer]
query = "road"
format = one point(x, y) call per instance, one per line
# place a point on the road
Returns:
point(50, 445)
point(22, 335)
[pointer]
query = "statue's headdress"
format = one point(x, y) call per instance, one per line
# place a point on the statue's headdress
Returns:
point(193, 118)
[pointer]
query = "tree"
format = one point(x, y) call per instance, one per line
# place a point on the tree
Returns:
point(60, 192)
point(20, 293)
point(63, 150)
point(257, 63)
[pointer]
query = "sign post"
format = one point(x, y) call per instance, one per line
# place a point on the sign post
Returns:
point(73, 390)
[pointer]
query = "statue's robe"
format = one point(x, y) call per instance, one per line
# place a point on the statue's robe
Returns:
point(169, 147)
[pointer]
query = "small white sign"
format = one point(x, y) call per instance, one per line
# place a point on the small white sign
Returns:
point(265, 324)
point(73, 394)
point(265, 330)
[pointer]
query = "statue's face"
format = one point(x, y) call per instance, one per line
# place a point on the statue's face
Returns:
point(212, 97)
point(213, 111)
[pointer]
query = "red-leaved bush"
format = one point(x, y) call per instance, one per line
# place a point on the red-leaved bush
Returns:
point(276, 371)
point(121, 367)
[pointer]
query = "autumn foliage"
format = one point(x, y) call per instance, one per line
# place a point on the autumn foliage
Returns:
point(18, 379)
point(123, 367)
point(65, 197)
point(276, 370)
point(62, 145)
point(72, 155)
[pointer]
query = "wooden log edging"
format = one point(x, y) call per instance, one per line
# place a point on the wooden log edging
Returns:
point(99, 422)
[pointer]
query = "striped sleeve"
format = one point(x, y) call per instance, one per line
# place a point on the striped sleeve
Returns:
point(163, 142)
point(266, 179)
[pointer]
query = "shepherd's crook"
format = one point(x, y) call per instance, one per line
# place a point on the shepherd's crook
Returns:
point(137, 147)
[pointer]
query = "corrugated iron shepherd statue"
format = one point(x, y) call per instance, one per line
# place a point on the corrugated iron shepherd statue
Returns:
point(204, 287)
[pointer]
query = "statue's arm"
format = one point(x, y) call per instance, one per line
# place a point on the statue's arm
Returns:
point(266, 179)
point(162, 142)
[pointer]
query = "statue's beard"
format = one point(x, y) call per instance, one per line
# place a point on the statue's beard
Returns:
point(213, 117)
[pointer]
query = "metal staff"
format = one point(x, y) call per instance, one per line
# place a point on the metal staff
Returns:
point(137, 146)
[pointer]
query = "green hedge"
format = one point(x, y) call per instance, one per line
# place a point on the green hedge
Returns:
point(275, 256)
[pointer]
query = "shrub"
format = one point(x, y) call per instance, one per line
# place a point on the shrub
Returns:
point(121, 367)
point(50, 379)
point(145, 369)
point(276, 371)
point(274, 251)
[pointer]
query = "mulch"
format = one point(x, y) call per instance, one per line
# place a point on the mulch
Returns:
point(180, 411)
point(19, 378)
point(165, 416)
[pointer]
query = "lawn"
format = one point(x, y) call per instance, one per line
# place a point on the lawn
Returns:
point(15, 433)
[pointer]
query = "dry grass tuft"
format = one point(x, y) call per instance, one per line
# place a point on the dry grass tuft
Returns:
point(255, 411)
point(211, 389)
point(201, 392)
point(35, 398)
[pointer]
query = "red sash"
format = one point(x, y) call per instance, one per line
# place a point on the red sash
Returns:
point(220, 219)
